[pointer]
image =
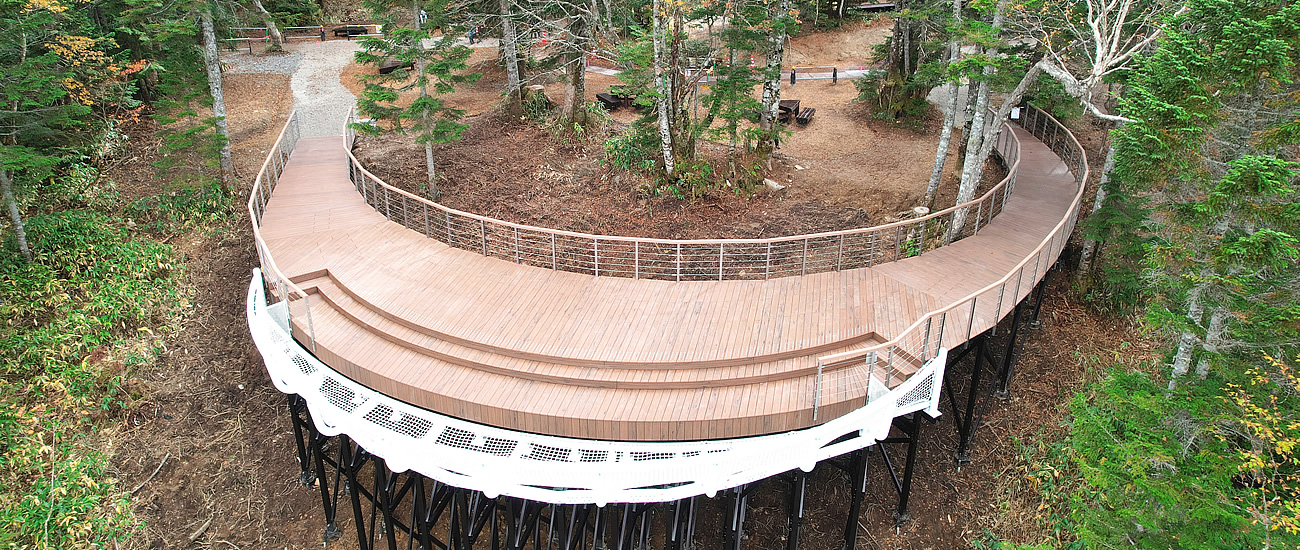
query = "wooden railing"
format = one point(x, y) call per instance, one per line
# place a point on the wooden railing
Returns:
point(279, 287)
point(848, 375)
point(680, 260)
point(840, 376)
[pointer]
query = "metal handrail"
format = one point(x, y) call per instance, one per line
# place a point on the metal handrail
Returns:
point(920, 341)
point(282, 288)
point(935, 323)
point(687, 259)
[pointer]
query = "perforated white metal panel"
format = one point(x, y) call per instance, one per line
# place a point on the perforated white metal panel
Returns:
point(557, 469)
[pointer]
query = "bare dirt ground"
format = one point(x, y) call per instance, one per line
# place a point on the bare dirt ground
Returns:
point(841, 171)
point(220, 432)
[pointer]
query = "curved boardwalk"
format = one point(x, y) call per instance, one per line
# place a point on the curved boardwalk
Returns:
point(576, 355)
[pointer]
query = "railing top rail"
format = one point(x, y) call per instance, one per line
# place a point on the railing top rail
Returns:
point(258, 184)
point(688, 242)
point(1016, 271)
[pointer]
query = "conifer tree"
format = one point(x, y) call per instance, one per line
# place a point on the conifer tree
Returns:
point(437, 66)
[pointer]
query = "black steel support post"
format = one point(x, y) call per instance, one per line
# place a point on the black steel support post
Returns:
point(736, 516)
point(297, 407)
point(1008, 366)
point(795, 508)
point(966, 421)
point(858, 488)
point(680, 525)
point(1034, 323)
point(904, 494)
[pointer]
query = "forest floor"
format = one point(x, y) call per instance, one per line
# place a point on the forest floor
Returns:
point(218, 432)
point(842, 170)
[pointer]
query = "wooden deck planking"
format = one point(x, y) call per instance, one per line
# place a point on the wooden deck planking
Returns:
point(316, 220)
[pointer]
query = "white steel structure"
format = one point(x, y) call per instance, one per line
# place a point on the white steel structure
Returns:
point(562, 470)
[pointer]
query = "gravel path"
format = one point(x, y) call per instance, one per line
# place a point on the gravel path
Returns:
point(242, 63)
point(320, 98)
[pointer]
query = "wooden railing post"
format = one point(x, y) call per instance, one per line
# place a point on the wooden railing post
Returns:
point(839, 255)
point(767, 264)
point(679, 261)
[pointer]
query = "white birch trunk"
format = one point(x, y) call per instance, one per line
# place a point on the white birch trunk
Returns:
point(772, 85)
point(949, 117)
point(20, 234)
point(212, 63)
point(277, 39)
point(510, 54)
point(1213, 338)
point(1188, 341)
point(1090, 245)
point(663, 97)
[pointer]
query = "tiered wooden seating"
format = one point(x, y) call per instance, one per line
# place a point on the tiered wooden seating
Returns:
point(576, 355)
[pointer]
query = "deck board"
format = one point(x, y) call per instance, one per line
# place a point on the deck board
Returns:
point(610, 357)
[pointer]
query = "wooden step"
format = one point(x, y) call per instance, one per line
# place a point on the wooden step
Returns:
point(377, 325)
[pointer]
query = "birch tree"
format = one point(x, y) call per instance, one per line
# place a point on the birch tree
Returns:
point(1082, 44)
point(780, 23)
point(510, 57)
point(949, 111)
point(212, 63)
point(277, 40)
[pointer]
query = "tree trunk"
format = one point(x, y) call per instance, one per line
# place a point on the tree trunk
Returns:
point(1090, 245)
point(1213, 338)
point(663, 97)
point(973, 169)
point(213, 64)
point(1187, 341)
point(949, 115)
point(430, 168)
point(575, 88)
point(772, 85)
point(277, 40)
point(510, 55)
point(20, 234)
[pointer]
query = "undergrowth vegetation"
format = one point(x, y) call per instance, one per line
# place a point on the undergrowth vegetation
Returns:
point(95, 303)
point(1211, 464)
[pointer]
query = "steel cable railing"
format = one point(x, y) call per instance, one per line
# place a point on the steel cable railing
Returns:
point(840, 377)
point(280, 288)
point(848, 375)
point(679, 260)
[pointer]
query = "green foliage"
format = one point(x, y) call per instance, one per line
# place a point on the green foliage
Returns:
point(1160, 468)
point(1050, 96)
point(90, 288)
point(294, 13)
point(632, 150)
point(1200, 202)
point(186, 209)
point(1266, 407)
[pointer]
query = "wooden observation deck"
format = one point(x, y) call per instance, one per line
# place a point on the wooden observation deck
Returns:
point(647, 355)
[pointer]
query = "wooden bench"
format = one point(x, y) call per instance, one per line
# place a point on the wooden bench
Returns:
point(805, 116)
point(786, 110)
point(610, 101)
point(350, 31)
